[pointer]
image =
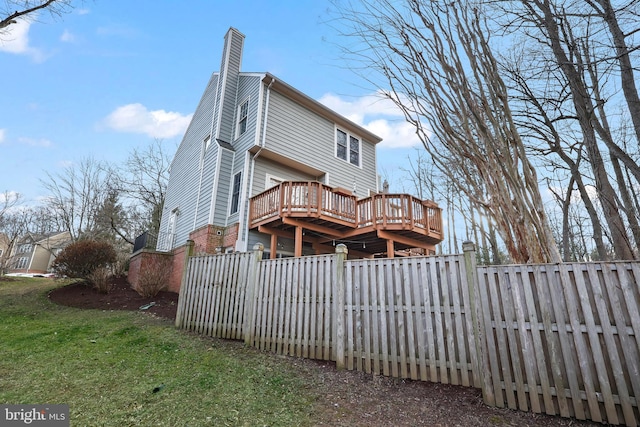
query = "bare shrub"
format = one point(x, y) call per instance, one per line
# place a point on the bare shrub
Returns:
point(82, 258)
point(154, 277)
point(99, 278)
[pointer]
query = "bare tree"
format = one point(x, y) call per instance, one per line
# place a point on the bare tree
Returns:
point(13, 10)
point(436, 59)
point(605, 9)
point(76, 194)
point(143, 179)
point(541, 116)
point(14, 225)
point(548, 23)
point(8, 200)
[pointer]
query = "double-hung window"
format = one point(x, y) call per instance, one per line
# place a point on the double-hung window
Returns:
point(348, 147)
point(235, 195)
point(243, 113)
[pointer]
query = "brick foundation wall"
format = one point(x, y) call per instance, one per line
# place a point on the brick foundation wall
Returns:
point(207, 239)
point(175, 278)
point(231, 235)
point(145, 258)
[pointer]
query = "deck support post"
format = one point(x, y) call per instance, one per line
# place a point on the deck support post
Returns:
point(273, 248)
point(298, 242)
point(390, 249)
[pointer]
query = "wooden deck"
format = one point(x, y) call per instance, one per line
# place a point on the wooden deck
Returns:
point(321, 215)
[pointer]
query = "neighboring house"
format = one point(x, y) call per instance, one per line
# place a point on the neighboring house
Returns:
point(34, 254)
point(263, 162)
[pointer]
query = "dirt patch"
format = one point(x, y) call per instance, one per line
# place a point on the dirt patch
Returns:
point(120, 297)
point(346, 398)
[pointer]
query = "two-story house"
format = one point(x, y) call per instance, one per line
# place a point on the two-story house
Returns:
point(34, 253)
point(263, 162)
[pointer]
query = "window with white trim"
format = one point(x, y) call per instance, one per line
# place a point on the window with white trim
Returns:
point(25, 248)
point(272, 180)
point(348, 147)
point(243, 113)
point(235, 195)
point(21, 263)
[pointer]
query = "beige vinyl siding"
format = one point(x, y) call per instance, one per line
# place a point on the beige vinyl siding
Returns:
point(182, 188)
point(304, 136)
point(41, 258)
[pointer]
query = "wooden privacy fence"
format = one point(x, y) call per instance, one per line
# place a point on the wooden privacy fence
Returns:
point(555, 339)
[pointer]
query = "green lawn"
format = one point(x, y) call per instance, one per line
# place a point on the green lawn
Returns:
point(105, 366)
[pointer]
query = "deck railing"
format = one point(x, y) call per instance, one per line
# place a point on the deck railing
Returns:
point(314, 199)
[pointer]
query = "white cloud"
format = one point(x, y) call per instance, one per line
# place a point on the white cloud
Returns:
point(135, 118)
point(62, 164)
point(3, 133)
point(378, 115)
point(83, 11)
point(67, 36)
point(41, 142)
point(16, 40)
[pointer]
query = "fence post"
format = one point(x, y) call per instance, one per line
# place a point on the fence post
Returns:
point(248, 327)
point(481, 373)
point(183, 281)
point(338, 305)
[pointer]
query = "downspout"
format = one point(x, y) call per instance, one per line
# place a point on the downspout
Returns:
point(263, 143)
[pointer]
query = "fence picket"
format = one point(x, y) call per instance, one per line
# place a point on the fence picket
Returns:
point(392, 325)
point(355, 284)
point(286, 306)
point(594, 339)
point(535, 365)
point(422, 311)
point(516, 383)
point(412, 310)
point(449, 330)
point(307, 320)
point(375, 316)
point(552, 339)
point(581, 349)
point(327, 292)
point(528, 353)
point(460, 334)
point(300, 268)
point(352, 311)
point(401, 313)
point(313, 320)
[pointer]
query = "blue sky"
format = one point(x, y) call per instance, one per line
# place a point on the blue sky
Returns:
point(112, 75)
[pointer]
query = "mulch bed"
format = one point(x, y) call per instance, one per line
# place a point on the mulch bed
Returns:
point(120, 297)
